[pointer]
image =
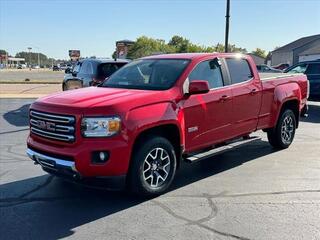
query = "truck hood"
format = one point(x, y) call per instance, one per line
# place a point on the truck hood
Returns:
point(96, 97)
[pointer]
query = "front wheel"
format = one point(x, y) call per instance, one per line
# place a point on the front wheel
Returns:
point(283, 134)
point(153, 167)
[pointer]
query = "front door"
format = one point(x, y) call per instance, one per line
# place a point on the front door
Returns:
point(207, 116)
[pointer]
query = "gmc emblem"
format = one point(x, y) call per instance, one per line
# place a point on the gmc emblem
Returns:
point(46, 125)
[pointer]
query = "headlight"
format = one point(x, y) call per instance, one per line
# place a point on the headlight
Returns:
point(100, 126)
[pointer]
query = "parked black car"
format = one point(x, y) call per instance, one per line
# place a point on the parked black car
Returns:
point(312, 70)
point(91, 72)
point(55, 68)
point(266, 69)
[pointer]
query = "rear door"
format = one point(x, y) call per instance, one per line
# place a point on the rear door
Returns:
point(208, 116)
point(247, 94)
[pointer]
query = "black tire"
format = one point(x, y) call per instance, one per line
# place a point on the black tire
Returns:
point(64, 87)
point(304, 111)
point(282, 135)
point(139, 179)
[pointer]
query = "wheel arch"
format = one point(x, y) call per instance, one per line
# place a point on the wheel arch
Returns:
point(292, 104)
point(169, 131)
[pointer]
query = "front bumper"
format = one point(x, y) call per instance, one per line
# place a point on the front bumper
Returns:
point(67, 169)
point(54, 164)
point(77, 156)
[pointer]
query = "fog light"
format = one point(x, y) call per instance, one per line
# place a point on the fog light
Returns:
point(100, 157)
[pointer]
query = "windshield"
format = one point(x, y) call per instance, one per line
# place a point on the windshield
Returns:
point(152, 74)
point(298, 69)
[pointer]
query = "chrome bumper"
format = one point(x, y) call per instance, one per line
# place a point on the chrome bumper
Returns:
point(51, 162)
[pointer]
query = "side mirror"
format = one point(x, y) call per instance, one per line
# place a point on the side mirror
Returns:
point(198, 87)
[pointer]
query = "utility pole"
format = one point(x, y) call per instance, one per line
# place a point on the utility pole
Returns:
point(38, 59)
point(29, 48)
point(7, 60)
point(226, 43)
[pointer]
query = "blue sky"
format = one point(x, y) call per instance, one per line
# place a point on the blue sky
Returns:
point(54, 27)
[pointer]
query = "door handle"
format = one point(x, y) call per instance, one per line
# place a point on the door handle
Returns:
point(224, 98)
point(253, 91)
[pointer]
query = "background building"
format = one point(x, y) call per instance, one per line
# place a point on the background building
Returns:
point(257, 59)
point(303, 49)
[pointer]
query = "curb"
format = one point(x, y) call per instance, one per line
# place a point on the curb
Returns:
point(22, 96)
point(23, 82)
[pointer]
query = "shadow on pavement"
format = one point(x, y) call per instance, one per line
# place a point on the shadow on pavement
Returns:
point(18, 117)
point(46, 207)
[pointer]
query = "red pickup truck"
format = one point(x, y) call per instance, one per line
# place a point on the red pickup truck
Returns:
point(155, 112)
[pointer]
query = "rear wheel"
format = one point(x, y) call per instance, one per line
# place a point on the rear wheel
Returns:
point(153, 167)
point(283, 134)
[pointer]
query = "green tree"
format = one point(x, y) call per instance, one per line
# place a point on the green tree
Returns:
point(3, 52)
point(145, 46)
point(259, 52)
point(34, 58)
point(180, 44)
point(219, 47)
point(114, 55)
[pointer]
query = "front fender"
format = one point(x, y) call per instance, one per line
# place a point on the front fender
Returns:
point(154, 115)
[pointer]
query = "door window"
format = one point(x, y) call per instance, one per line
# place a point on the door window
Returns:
point(209, 71)
point(313, 69)
point(107, 69)
point(86, 68)
point(239, 70)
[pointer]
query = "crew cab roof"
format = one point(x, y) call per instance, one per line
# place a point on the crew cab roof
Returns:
point(105, 60)
point(192, 56)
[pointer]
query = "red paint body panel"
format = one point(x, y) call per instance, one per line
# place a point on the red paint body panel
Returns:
point(202, 120)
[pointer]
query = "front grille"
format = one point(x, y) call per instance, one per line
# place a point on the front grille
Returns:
point(52, 126)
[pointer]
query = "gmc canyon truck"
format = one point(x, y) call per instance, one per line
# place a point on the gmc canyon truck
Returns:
point(155, 112)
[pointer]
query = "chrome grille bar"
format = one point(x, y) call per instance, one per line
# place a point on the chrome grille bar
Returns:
point(52, 118)
point(51, 126)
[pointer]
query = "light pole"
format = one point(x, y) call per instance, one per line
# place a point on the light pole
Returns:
point(38, 58)
point(29, 48)
point(226, 43)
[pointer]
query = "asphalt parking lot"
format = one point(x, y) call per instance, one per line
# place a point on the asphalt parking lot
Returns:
point(253, 192)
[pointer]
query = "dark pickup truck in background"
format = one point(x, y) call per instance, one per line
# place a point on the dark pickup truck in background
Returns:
point(155, 112)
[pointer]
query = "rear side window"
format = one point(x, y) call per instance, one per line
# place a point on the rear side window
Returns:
point(86, 68)
point(209, 71)
point(239, 70)
point(106, 69)
point(313, 68)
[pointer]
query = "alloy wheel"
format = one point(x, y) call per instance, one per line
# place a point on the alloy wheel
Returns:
point(287, 129)
point(156, 167)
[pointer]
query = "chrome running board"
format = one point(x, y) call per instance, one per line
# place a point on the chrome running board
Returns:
point(218, 150)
